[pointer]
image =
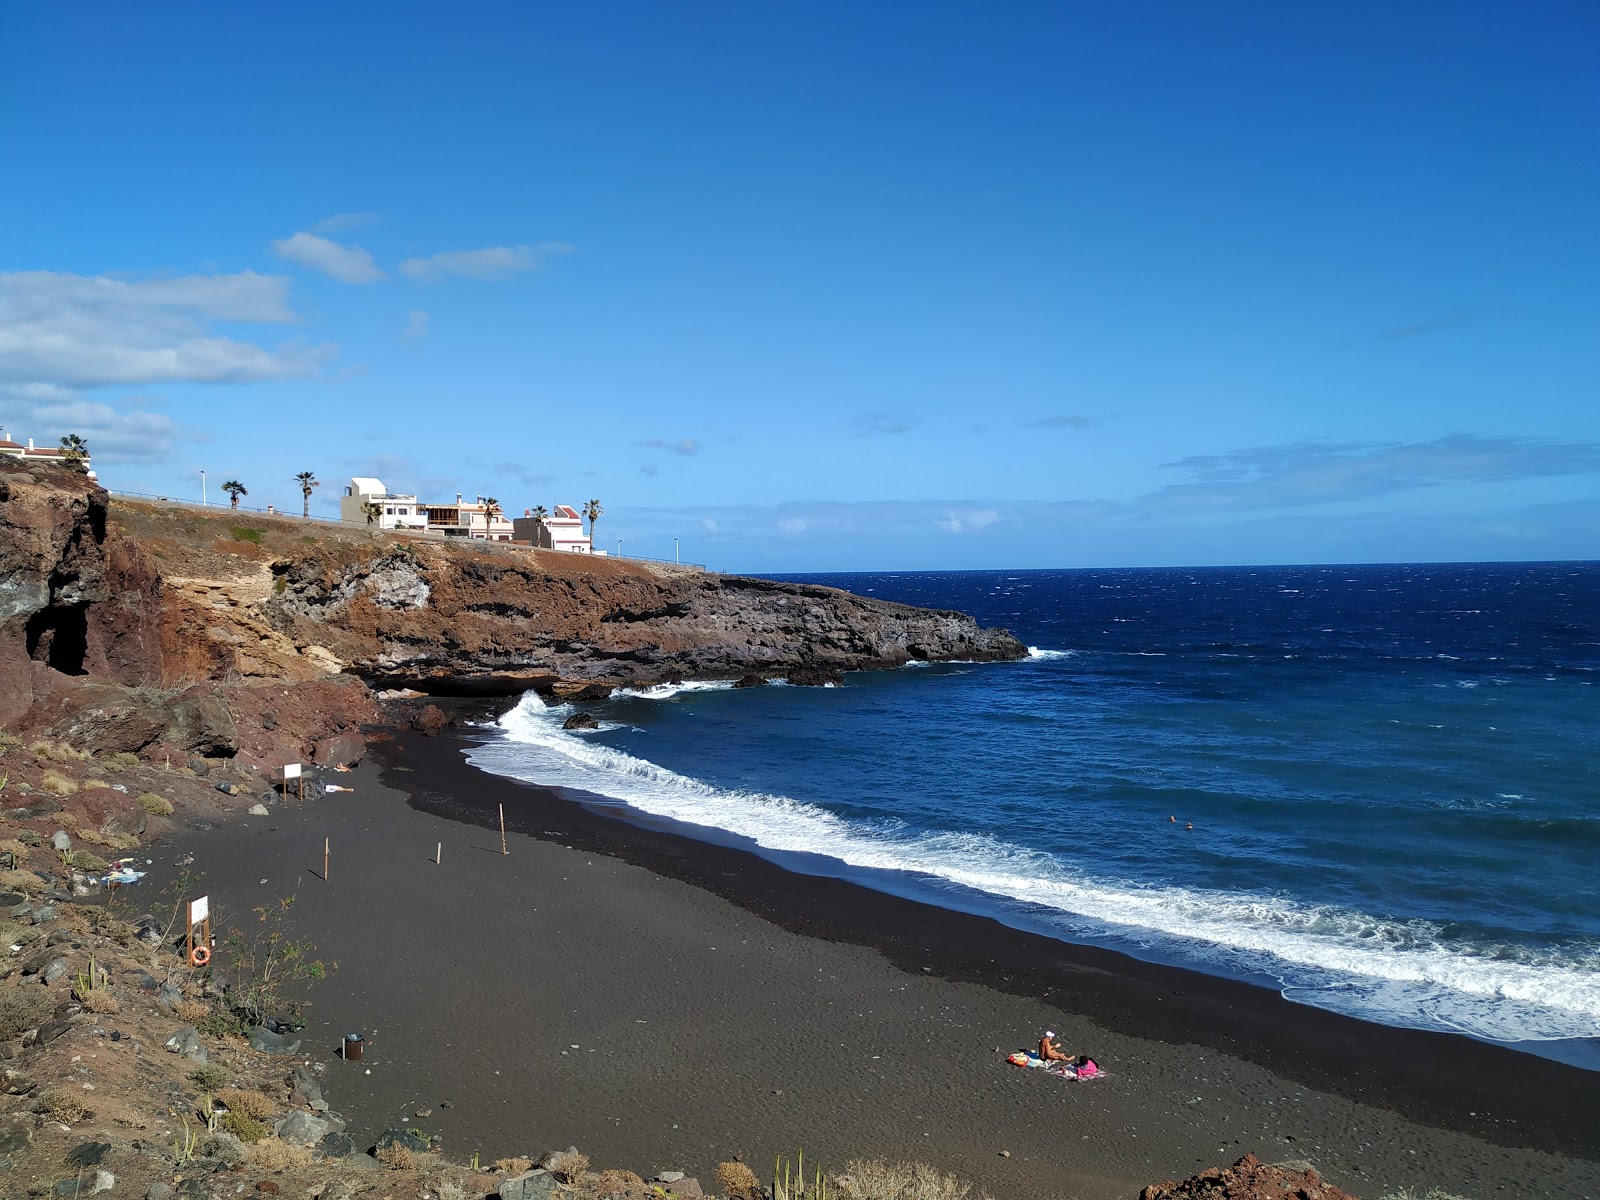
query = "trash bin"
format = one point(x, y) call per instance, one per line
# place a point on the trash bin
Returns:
point(353, 1046)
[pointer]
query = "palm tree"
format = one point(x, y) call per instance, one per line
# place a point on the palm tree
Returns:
point(235, 489)
point(593, 511)
point(307, 480)
point(74, 450)
point(491, 510)
point(539, 512)
point(372, 509)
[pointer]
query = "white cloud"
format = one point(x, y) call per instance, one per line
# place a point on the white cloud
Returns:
point(416, 326)
point(969, 521)
point(683, 446)
point(347, 264)
point(342, 221)
point(491, 262)
point(74, 331)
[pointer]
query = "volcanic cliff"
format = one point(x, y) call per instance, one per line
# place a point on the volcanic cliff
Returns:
point(145, 628)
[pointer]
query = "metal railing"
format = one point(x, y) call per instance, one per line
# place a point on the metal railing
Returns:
point(475, 543)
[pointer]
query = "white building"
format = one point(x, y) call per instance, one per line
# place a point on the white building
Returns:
point(390, 510)
point(561, 530)
point(37, 454)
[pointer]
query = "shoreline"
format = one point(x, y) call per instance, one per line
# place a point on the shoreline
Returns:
point(1449, 1080)
point(665, 1003)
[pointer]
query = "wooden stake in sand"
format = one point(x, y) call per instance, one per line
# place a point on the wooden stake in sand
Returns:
point(437, 852)
point(325, 842)
point(502, 829)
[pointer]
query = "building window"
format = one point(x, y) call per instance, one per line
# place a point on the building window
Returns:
point(405, 512)
point(389, 512)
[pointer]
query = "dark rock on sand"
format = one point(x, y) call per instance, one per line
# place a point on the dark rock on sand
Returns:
point(1248, 1179)
point(187, 1043)
point(268, 1042)
point(336, 1145)
point(51, 1030)
point(429, 720)
point(304, 1089)
point(412, 1139)
point(302, 1129)
point(341, 751)
point(580, 720)
point(87, 1154)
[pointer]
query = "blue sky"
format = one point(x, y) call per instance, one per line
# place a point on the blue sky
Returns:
point(829, 286)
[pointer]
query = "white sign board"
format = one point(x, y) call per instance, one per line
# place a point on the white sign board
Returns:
point(291, 771)
point(199, 910)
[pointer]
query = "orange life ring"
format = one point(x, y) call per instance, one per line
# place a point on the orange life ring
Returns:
point(199, 956)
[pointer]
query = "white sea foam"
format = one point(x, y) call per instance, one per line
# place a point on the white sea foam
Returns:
point(1394, 972)
point(1035, 652)
point(666, 691)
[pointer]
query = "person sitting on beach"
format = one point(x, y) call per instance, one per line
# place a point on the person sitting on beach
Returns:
point(1050, 1049)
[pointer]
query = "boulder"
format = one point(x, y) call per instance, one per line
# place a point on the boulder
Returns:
point(16, 1133)
point(61, 841)
point(304, 1089)
point(580, 720)
point(814, 676)
point(87, 1154)
point(268, 1042)
point(54, 971)
point(159, 1190)
point(187, 1043)
point(16, 1083)
point(259, 810)
point(750, 681)
point(50, 1031)
point(344, 750)
point(223, 1147)
point(92, 1185)
point(537, 1184)
point(199, 766)
point(228, 789)
point(202, 725)
point(336, 1145)
point(429, 720)
point(412, 1139)
point(303, 1129)
point(169, 996)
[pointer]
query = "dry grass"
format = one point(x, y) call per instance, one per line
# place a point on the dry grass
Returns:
point(245, 1127)
point(273, 1155)
point(17, 846)
point(58, 784)
point(209, 1076)
point(252, 1104)
point(21, 881)
point(99, 1000)
point(123, 761)
point(192, 1012)
point(23, 1009)
point(511, 1166)
point(1430, 1194)
point(12, 934)
point(396, 1157)
point(63, 1105)
point(156, 806)
point(738, 1181)
point(567, 1165)
point(58, 751)
point(875, 1179)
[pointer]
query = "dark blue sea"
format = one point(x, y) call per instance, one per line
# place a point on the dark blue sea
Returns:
point(1392, 774)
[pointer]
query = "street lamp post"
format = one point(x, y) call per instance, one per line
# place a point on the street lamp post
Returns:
point(619, 547)
point(674, 549)
point(203, 502)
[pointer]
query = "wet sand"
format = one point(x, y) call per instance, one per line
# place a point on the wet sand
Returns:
point(666, 1003)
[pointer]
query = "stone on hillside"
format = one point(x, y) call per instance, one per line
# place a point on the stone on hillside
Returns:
point(302, 1129)
point(100, 1181)
point(50, 1031)
point(60, 840)
point(304, 1089)
point(668, 1177)
point(170, 996)
point(186, 1042)
point(54, 971)
point(223, 1147)
point(42, 914)
point(63, 937)
point(16, 1132)
point(259, 810)
point(412, 1139)
point(228, 789)
point(16, 1083)
point(88, 1154)
point(159, 1190)
point(344, 750)
point(537, 1184)
point(337, 1145)
point(268, 1042)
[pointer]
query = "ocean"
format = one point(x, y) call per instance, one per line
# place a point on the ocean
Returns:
point(1373, 788)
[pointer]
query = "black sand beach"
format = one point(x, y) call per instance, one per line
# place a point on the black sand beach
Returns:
point(666, 1003)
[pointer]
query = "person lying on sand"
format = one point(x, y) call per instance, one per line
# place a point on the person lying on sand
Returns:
point(1050, 1049)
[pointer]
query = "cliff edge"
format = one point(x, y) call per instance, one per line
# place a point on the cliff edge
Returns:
point(129, 626)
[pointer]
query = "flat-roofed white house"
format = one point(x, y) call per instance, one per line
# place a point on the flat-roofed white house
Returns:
point(38, 454)
point(561, 530)
point(390, 510)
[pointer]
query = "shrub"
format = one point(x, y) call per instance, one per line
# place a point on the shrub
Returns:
point(567, 1165)
point(224, 1147)
point(62, 1105)
point(40, 748)
point(245, 533)
point(20, 881)
point(253, 1104)
point(16, 846)
point(193, 1011)
point(449, 1189)
point(31, 837)
point(397, 1157)
point(58, 784)
point(123, 761)
point(156, 806)
point(12, 934)
point(874, 1179)
point(273, 1155)
point(22, 1009)
point(511, 1166)
point(244, 1127)
point(208, 1076)
point(82, 860)
point(738, 1181)
point(99, 1000)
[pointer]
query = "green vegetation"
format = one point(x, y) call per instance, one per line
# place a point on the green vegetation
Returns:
point(157, 806)
point(82, 860)
point(22, 1009)
point(235, 489)
point(247, 533)
point(245, 1127)
point(266, 961)
point(307, 480)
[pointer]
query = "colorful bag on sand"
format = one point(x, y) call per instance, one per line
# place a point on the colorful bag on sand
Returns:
point(1088, 1069)
point(1019, 1059)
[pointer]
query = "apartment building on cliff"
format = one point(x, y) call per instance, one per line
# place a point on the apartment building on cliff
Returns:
point(561, 530)
point(367, 502)
point(48, 455)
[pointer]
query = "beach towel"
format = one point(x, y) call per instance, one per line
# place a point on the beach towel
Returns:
point(1061, 1070)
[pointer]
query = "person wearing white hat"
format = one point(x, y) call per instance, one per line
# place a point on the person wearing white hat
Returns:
point(1050, 1049)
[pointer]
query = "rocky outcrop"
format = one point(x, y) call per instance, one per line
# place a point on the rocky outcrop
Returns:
point(193, 634)
point(1249, 1179)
